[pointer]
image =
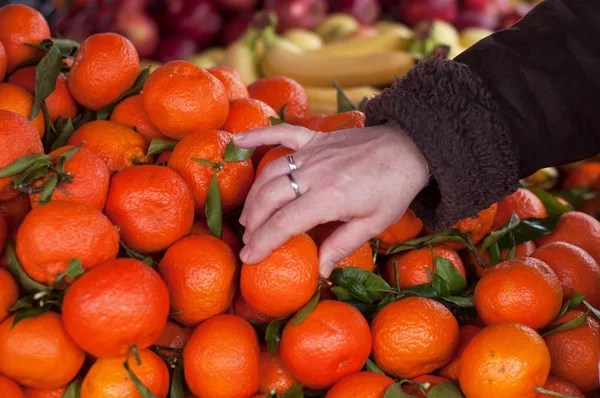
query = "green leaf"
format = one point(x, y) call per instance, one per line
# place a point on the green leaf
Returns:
point(494, 252)
point(68, 48)
point(74, 389)
point(282, 112)
point(177, 382)
point(14, 267)
point(445, 270)
point(361, 284)
point(214, 213)
point(273, 334)
point(501, 232)
point(137, 87)
point(368, 310)
point(275, 121)
point(307, 309)
point(139, 386)
point(50, 133)
point(68, 154)
point(453, 235)
point(87, 117)
point(48, 189)
point(234, 153)
point(572, 303)
point(203, 161)
point(64, 134)
point(572, 324)
point(295, 391)
point(23, 163)
point(440, 285)
point(474, 251)
point(460, 301)
point(446, 389)
point(387, 299)
point(530, 229)
point(74, 268)
point(425, 290)
point(396, 391)
point(46, 74)
point(137, 256)
point(32, 174)
point(26, 314)
point(344, 104)
point(341, 293)
point(372, 367)
point(160, 146)
point(591, 308)
point(541, 390)
point(577, 196)
point(23, 303)
point(551, 203)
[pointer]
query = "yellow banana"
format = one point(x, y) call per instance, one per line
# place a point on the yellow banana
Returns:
point(241, 58)
point(318, 70)
point(366, 45)
point(327, 97)
point(322, 109)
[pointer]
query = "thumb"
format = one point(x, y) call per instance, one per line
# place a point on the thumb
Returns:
point(293, 137)
point(342, 242)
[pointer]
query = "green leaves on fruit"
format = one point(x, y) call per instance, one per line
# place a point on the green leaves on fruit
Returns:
point(453, 235)
point(307, 309)
point(344, 104)
point(273, 334)
point(214, 212)
point(177, 390)
point(234, 153)
point(159, 146)
point(139, 386)
point(570, 325)
point(372, 367)
point(138, 85)
point(361, 284)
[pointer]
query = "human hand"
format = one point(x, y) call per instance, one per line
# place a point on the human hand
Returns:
point(364, 177)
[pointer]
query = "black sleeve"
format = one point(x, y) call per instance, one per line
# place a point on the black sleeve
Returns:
point(522, 99)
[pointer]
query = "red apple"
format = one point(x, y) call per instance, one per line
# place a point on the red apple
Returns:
point(476, 19)
point(175, 47)
point(475, 4)
point(414, 11)
point(140, 29)
point(366, 11)
point(235, 6)
point(196, 19)
point(304, 14)
point(235, 28)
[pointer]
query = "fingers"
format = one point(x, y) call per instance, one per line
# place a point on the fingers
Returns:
point(273, 195)
point(342, 242)
point(298, 216)
point(293, 137)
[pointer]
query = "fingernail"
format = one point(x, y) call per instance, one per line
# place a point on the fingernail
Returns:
point(245, 254)
point(239, 137)
point(325, 269)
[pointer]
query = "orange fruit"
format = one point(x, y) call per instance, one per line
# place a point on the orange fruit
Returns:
point(272, 154)
point(339, 121)
point(283, 282)
point(181, 98)
point(59, 102)
point(200, 273)
point(114, 306)
point(88, 183)
point(415, 266)
point(477, 227)
point(2, 62)
point(524, 203)
point(576, 270)
point(234, 178)
point(280, 91)
point(18, 137)
point(578, 229)
point(35, 393)
point(9, 292)
point(333, 342)
point(9, 388)
point(53, 234)
point(37, 352)
point(231, 80)
point(413, 336)
point(408, 227)
point(308, 121)
point(242, 309)
point(223, 346)
point(575, 353)
point(584, 175)
point(415, 389)
point(16, 99)
point(200, 227)
point(20, 24)
point(465, 335)
point(164, 157)
point(522, 250)
point(173, 336)
point(246, 114)
point(272, 375)
point(523, 290)
point(560, 386)
point(117, 145)
point(14, 210)
point(131, 113)
point(108, 378)
point(361, 384)
point(152, 206)
point(106, 65)
point(504, 360)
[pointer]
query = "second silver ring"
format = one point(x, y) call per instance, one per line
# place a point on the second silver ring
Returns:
point(291, 162)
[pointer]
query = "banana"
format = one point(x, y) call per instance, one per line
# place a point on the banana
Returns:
point(241, 58)
point(366, 45)
point(337, 26)
point(390, 26)
point(470, 36)
point(305, 39)
point(348, 70)
point(327, 97)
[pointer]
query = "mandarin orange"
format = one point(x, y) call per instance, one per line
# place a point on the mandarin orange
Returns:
point(131, 113)
point(361, 384)
point(279, 92)
point(16, 99)
point(231, 80)
point(524, 203)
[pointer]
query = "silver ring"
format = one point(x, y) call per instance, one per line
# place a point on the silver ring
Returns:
point(291, 162)
point(294, 185)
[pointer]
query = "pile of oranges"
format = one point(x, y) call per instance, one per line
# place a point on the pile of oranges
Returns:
point(120, 276)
